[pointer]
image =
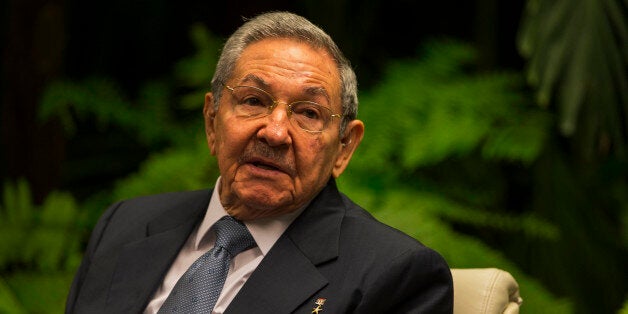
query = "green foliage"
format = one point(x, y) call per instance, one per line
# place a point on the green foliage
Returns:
point(624, 308)
point(436, 110)
point(195, 72)
point(438, 138)
point(577, 62)
point(43, 293)
point(160, 114)
point(187, 168)
point(96, 96)
point(527, 224)
point(482, 160)
point(8, 301)
point(149, 116)
point(443, 117)
point(39, 247)
point(44, 238)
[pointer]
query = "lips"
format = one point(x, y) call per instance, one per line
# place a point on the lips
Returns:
point(265, 158)
point(265, 166)
point(268, 164)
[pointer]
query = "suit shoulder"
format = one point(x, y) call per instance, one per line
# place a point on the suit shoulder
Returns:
point(170, 198)
point(367, 231)
point(140, 210)
point(382, 256)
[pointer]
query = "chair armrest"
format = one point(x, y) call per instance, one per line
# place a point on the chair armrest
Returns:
point(484, 291)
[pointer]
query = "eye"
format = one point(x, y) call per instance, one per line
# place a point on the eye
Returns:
point(253, 101)
point(249, 96)
point(312, 114)
point(307, 110)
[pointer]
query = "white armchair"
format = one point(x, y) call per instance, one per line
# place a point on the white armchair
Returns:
point(485, 291)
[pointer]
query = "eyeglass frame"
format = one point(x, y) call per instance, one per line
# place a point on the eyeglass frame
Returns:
point(276, 102)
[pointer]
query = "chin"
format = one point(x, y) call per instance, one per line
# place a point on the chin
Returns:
point(262, 204)
point(258, 211)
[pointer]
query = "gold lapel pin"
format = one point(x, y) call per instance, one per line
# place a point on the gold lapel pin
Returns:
point(319, 305)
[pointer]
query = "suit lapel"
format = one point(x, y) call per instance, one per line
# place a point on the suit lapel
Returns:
point(143, 263)
point(288, 275)
point(280, 283)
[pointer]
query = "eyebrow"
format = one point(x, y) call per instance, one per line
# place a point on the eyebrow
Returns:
point(252, 77)
point(318, 91)
point(310, 90)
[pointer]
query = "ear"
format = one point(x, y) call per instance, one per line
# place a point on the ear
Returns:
point(209, 114)
point(348, 144)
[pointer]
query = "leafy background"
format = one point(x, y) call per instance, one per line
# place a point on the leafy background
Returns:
point(504, 146)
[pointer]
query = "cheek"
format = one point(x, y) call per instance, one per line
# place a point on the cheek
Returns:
point(315, 145)
point(318, 156)
point(229, 143)
point(231, 133)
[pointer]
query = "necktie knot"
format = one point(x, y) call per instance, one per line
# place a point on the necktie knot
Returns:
point(232, 235)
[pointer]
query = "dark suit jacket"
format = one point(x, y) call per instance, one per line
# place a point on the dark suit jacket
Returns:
point(334, 250)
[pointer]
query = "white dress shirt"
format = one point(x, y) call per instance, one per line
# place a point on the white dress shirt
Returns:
point(265, 231)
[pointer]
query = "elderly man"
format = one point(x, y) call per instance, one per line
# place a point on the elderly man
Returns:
point(275, 235)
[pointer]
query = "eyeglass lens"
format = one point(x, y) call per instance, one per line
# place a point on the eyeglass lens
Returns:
point(254, 102)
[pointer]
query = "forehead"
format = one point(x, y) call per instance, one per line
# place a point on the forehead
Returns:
point(281, 63)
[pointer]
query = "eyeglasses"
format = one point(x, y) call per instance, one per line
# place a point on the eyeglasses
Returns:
point(254, 102)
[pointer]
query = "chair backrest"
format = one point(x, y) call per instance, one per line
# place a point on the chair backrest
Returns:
point(485, 291)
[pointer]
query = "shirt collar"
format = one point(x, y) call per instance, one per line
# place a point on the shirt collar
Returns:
point(265, 231)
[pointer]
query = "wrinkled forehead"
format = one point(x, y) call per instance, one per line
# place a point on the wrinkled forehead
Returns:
point(288, 61)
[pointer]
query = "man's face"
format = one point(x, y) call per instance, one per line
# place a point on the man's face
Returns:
point(270, 166)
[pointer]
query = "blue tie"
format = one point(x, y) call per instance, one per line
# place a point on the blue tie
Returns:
point(198, 289)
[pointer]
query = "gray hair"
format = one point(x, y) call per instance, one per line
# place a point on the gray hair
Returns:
point(286, 25)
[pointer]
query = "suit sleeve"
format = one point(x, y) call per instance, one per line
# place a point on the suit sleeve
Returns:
point(417, 281)
point(94, 240)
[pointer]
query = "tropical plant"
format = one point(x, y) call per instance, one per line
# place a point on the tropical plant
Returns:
point(443, 148)
point(163, 113)
point(577, 62)
point(40, 248)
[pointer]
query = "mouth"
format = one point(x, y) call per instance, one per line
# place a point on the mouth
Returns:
point(269, 165)
point(265, 166)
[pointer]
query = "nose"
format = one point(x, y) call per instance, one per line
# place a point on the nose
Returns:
point(276, 128)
